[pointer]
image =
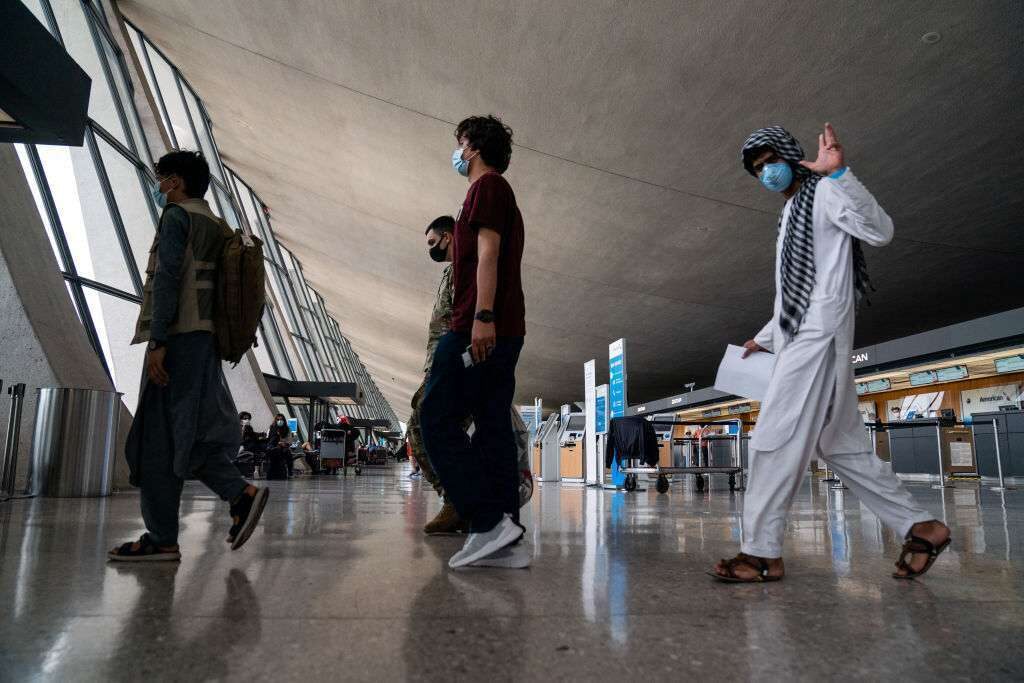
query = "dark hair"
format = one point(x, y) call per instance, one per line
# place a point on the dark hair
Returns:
point(191, 167)
point(489, 136)
point(244, 416)
point(441, 224)
point(754, 152)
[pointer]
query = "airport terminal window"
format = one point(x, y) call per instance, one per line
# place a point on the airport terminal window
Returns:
point(23, 156)
point(129, 185)
point(100, 220)
point(85, 218)
point(114, 320)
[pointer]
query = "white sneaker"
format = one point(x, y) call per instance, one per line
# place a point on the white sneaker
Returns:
point(479, 546)
point(509, 557)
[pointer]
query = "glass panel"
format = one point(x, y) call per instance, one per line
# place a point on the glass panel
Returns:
point(229, 211)
point(172, 100)
point(124, 92)
point(141, 52)
point(209, 151)
point(247, 201)
point(133, 202)
point(307, 356)
point(275, 349)
point(84, 215)
point(33, 184)
point(262, 355)
point(78, 41)
point(303, 415)
point(114, 320)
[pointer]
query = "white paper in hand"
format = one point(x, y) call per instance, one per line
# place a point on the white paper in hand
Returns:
point(747, 377)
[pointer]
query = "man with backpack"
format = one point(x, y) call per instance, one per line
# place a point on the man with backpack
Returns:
point(185, 423)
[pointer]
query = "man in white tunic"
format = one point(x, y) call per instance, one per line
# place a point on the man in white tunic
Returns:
point(811, 404)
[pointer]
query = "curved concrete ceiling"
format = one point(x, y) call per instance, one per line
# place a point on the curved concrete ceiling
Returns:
point(640, 221)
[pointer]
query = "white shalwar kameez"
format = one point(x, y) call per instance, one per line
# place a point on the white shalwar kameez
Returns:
point(811, 404)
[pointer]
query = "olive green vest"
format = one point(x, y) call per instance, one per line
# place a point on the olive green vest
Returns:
point(206, 237)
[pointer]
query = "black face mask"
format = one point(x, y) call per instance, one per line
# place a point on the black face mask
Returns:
point(438, 253)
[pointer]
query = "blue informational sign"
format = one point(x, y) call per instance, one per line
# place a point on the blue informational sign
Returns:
point(293, 424)
point(601, 415)
point(617, 387)
point(617, 394)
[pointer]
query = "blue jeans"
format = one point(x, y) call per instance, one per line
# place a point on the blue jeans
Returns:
point(479, 474)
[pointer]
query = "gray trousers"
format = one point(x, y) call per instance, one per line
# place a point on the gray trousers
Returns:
point(187, 429)
point(160, 488)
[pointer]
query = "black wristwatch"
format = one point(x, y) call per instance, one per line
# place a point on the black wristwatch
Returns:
point(155, 344)
point(485, 316)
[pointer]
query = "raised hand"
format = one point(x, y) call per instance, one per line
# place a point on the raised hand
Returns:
point(830, 154)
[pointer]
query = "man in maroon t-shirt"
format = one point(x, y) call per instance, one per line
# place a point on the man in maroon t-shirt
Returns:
point(474, 370)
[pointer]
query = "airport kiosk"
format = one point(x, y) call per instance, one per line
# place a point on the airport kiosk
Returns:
point(549, 455)
point(664, 433)
point(572, 459)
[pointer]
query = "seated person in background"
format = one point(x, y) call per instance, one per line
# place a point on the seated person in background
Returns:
point(248, 434)
point(279, 441)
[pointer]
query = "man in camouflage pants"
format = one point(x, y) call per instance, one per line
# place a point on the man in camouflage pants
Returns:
point(439, 240)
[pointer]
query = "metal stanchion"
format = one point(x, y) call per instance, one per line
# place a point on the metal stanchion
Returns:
point(10, 462)
point(938, 442)
point(999, 463)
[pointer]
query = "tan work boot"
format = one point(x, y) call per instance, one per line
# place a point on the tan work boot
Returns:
point(446, 522)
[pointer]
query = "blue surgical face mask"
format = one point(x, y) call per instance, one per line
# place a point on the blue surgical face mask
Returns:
point(159, 197)
point(461, 165)
point(777, 177)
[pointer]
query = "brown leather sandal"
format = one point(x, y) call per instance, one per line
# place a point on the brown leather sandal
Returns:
point(915, 545)
point(757, 563)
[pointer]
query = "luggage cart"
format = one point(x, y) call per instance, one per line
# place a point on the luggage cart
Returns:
point(697, 456)
point(372, 458)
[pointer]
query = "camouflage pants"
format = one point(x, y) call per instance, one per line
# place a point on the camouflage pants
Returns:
point(419, 453)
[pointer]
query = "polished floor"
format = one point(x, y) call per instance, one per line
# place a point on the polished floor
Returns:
point(340, 584)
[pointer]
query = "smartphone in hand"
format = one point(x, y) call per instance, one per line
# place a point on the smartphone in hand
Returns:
point(467, 357)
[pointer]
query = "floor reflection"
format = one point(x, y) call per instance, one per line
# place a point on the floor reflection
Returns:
point(340, 576)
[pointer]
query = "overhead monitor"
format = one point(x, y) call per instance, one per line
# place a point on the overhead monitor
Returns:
point(918, 379)
point(948, 374)
point(1010, 364)
point(874, 385)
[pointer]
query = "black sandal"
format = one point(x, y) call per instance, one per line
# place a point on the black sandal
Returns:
point(915, 545)
point(245, 514)
point(148, 551)
point(757, 563)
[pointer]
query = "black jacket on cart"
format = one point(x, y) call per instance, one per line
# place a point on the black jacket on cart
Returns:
point(631, 438)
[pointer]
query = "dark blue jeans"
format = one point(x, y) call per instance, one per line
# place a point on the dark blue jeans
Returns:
point(479, 474)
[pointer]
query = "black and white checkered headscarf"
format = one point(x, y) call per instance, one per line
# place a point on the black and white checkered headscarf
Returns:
point(797, 268)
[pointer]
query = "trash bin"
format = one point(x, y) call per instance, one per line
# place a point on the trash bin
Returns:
point(73, 442)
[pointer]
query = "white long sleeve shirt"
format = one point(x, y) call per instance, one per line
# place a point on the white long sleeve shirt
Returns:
point(843, 210)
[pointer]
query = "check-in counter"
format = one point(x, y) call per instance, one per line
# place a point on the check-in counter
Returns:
point(570, 448)
point(914, 447)
point(1010, 424)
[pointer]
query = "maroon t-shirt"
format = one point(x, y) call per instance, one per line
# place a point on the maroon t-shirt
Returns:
point(490, 203)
